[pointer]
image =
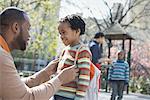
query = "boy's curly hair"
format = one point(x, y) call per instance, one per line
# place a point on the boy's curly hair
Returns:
point(75, 21)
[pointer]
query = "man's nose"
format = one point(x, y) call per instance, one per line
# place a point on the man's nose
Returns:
point(29, 36)
point(61, 36)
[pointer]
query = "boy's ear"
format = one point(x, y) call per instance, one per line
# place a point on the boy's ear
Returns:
point(78, 31)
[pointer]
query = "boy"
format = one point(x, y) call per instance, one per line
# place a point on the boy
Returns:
point(70, 29)
point(118, 76)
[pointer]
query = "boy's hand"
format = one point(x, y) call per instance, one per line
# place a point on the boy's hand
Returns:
point(68, 74)
point(126, 82)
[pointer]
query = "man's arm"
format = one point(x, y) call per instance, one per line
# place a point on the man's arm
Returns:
point(42, 76)
point(14, 89)
point(36, 79)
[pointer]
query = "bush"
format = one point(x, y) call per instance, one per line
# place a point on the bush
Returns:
point(140, 84)
point(145, 88)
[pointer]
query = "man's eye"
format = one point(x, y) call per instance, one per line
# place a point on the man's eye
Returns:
point(29, 29)
point(62, 33)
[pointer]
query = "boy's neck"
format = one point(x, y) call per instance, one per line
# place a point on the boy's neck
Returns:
point(74, 44)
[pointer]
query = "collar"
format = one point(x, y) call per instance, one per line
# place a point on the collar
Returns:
point(95, 41)
point(120, 61)
point(3, 44)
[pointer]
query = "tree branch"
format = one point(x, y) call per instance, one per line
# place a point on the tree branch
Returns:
point(118, 12)
point(133, 20)
point(17, 3)
point(11, 3)
point(42, 28)
point(110, 13)
point(100, 25)
point(130, 7)
point(95, 19)
point(139, 15)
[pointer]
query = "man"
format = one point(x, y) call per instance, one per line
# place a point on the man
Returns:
point(96, 48)
point(118, 76)
point(14, 29)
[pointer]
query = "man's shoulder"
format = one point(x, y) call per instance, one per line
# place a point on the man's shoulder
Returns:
point(4, 56)
point(1, 50)
point(6, 62)
point(92, 43)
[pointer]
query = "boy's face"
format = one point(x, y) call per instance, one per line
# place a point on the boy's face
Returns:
point(68, 35)
point(121, 55)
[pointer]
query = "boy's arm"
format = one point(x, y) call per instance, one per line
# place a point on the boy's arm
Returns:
point(127, 72)
point(84, 74)
point(110, 71)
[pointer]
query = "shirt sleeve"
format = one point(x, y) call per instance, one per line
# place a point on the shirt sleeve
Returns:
point(127, 72)
point(36, 79)
point(15, 89)
point(110, 71)
point(84, 73)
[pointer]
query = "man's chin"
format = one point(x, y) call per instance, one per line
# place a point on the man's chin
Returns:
point(23, 48)
point(66, 44)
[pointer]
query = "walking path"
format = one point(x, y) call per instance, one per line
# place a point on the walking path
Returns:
point(130, 96)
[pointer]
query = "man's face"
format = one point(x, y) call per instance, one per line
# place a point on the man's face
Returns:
point(21, 40)
point(101, 40)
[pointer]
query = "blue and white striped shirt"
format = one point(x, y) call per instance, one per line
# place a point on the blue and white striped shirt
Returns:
point(119, 71)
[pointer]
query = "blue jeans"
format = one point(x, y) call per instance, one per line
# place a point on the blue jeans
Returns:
point(117, 89)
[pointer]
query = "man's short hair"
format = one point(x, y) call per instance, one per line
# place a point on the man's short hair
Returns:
point(9, 16)
point(99, 34)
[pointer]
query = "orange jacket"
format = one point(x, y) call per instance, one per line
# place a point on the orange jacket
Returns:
point(3, 44)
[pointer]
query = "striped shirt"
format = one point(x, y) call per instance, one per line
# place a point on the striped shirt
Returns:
point(119, 71)
point(76, 89)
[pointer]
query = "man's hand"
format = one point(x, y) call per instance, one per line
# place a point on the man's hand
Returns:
point(105, 60)
point(68, 74)
point(51, 67)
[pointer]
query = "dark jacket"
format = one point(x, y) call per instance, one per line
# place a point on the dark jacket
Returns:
point(96, 51)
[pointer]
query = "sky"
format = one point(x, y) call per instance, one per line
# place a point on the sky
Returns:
point(92, 8)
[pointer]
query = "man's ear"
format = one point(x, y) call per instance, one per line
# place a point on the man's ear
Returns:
point(15, 28)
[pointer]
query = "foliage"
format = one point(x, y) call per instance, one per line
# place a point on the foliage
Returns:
point(140, 85)
point(145, 87)
point(43, 17)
